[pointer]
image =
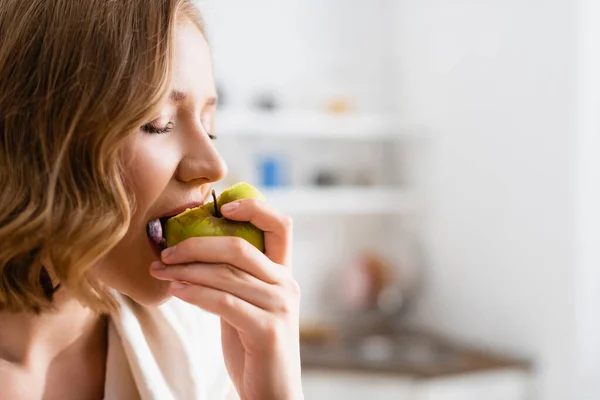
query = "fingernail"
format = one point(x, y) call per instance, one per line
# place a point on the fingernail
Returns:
point(168, 252)
point(157, 265)
point(230, 207)
point(178, 285)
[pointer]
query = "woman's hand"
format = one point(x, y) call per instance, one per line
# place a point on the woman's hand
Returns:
point(254, 294)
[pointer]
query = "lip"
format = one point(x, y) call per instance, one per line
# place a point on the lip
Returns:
point(170, 213)
point(182, 208)
point(174, 211)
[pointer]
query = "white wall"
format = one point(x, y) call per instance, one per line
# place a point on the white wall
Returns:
point(494, 82)
point(588, 185)
point(306, 50)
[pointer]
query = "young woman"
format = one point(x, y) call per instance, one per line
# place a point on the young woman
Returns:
point(106, 124)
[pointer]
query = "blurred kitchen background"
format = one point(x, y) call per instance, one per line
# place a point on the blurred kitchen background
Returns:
point(439, 158)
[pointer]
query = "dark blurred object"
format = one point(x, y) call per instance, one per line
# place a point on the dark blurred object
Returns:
point(326, 178)
point(266, 101)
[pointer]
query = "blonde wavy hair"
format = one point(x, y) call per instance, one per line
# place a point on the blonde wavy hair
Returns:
point(77, 78)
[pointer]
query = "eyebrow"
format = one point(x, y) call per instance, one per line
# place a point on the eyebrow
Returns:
point(178, 95)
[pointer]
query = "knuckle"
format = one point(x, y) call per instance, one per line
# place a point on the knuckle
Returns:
point(278, 301)
point(227, 300)
point(287, 222)
point(251, 204)
point(188, 245)
point(272, 329)
point(238, 245)
point(254, 202)
point(284, 302)
point(187, 249)
point(285, 307)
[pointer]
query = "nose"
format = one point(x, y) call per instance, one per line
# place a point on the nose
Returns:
point(201, 163)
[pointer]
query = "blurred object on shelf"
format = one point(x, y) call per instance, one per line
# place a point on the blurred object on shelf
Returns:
point(371, 291)
point(318, 333)
point(326, 178)
point(364, 177)
point(365, 279)
point(390, 300)
point(272, 171)
point(355, 290)
point(266, 101)
point(339, 105)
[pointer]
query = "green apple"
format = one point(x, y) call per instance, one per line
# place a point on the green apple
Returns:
point(207, 220)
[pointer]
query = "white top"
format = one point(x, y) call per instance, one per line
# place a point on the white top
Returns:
point(168, 352)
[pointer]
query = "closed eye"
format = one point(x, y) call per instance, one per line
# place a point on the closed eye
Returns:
point(155, 128)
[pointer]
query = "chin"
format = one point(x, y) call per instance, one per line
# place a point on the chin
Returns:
point(150, 295)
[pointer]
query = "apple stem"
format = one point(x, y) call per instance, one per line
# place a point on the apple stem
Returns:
point(217, 211)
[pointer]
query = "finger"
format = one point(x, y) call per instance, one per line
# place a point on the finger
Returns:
point(237, 312)
point(226, 278)
point(276, 225)
point(224, 250)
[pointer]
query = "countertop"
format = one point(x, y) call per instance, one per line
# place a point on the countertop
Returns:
point(409, 352)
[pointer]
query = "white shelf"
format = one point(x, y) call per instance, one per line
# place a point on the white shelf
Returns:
point(305, 124)
point(341, 200)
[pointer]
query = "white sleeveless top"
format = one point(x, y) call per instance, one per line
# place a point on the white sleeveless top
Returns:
point(170, 352)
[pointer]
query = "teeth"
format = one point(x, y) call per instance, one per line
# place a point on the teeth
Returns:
point(154, 230)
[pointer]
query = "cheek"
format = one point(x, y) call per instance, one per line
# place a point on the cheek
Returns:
point(152, 166)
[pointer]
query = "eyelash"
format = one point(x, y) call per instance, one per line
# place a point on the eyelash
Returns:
point(152, 129)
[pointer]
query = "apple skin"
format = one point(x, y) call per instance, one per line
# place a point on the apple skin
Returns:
point(202, 221)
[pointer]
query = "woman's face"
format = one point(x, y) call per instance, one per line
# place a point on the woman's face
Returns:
point(170, 164)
